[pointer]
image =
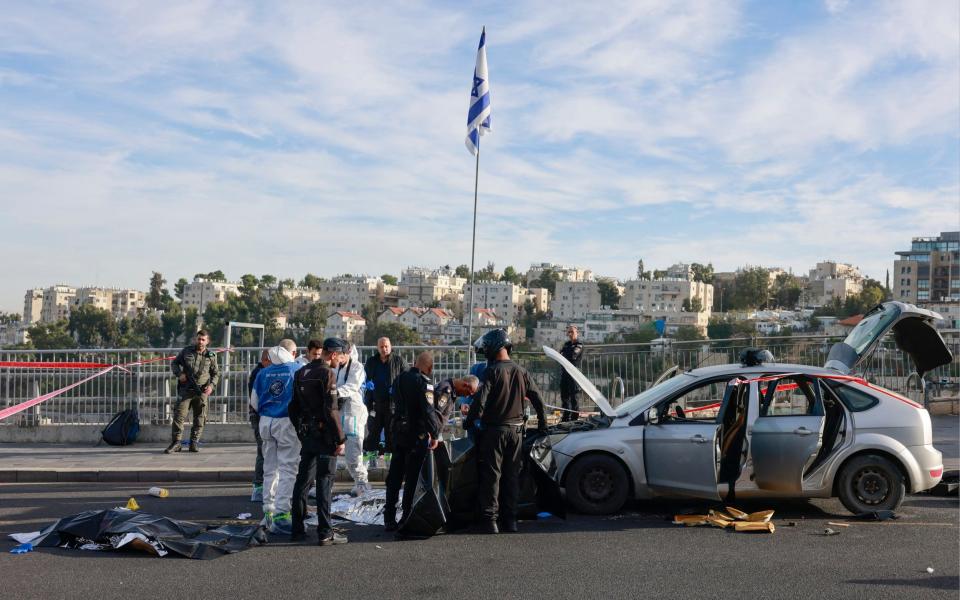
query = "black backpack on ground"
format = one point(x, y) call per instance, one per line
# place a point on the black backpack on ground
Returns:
point(123, 428)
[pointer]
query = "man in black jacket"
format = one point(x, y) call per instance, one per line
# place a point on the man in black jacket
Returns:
point(416, 427)
point(314, 414)
point(569, 390)
point(257, 494)
point(496, 413)
point(382, 370)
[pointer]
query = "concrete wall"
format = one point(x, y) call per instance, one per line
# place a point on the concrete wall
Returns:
point(70, 434)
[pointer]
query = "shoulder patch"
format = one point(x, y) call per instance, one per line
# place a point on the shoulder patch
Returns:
point(429, 387)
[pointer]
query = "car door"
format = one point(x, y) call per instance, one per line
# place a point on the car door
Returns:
point(787, 433)
point(680, 442)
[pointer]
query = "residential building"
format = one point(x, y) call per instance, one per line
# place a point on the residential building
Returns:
point(432, 324)
point(127, 303)
point(929, 271)
point(391, 314)
point(540, 298)
point(600, 325)
point(831, 281)
point(506, 299)
point(57, 300)
point(411, 317)
point(950, 311)
point(200, 292)
point(33, 306)
point(347, 325)
point(564, 272)
point(300, 300)
point(14, 333)
point(423, 287)
point(667, 295)
point(572, 300)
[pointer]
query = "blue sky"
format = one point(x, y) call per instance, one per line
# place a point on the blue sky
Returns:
point(327, 137)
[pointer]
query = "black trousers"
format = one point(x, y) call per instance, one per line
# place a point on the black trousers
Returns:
point(404, 470)
point(317, 459)
point(498, 471)
point(377, 424)
point(569, 399)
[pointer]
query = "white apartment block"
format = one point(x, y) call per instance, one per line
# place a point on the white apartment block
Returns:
point(540, 298)
point(391, 314)
point(505, 299)
point(32, 306)
point(57, 300)
point(201, 292)
point(666, 295)
point(127, 303)
point(432, 324)
point(100, 298)
point(572, 300)
point(347, 325)
point(351, 293)
point(565, 272)
point(831, 280)
point(422, 287)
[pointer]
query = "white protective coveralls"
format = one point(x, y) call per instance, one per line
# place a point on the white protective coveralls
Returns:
point(350, 382)
point(281, 449)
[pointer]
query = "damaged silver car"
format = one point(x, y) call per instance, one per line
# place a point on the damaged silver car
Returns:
point(766, 429)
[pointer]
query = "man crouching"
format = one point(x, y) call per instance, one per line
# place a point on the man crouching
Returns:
point(316, 417)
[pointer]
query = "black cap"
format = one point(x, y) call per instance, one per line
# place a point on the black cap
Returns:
point(335, 344)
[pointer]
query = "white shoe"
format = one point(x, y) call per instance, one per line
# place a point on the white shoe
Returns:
point(360, 489)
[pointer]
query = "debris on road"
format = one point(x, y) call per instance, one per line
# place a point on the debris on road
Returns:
point(159, 492)
point(877, 515)
point(838, 524)
point(829, 531)
point(929, 569)
point(730, 517)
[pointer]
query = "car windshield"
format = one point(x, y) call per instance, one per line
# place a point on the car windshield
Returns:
point(667, 387)
point(869, 329)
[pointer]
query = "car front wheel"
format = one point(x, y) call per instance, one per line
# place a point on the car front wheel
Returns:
point(871, 482)
point(597, 485)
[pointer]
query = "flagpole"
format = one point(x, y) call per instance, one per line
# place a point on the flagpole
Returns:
point(473, 250)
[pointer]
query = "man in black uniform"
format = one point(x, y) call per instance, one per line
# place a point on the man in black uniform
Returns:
point(382, 370)
point(497, 414)
point(416, 429)
point(569, 390)
point(316, 417)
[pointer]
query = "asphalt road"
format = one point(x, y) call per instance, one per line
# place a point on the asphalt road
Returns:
point(635, 554)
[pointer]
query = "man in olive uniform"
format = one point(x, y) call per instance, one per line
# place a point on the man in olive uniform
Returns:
point(416, 429)
point(496, 414)
point(316, 417)
point(198, 374)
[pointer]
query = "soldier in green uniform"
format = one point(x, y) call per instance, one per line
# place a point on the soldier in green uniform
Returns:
point(197, 375)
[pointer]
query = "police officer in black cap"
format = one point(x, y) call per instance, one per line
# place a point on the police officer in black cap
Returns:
point(496, 413)
point(416, 430)
point(315, 414)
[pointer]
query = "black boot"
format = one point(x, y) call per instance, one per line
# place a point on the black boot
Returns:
point(488, 527)
point(173, 447)
point(389, 522)
point(508, 526)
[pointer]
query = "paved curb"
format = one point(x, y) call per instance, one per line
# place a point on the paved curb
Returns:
point(148, 475)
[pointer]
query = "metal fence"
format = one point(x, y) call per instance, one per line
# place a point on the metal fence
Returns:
point(618, 370)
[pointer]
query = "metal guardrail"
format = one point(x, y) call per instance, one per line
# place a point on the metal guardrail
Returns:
point(622, 369)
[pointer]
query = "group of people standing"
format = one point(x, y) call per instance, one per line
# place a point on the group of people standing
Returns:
point(306, 411)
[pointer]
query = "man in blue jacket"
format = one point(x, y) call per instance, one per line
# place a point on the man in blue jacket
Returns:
point(270, 397)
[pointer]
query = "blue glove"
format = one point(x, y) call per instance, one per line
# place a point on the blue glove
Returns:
point(369, 385)
point(22, 548)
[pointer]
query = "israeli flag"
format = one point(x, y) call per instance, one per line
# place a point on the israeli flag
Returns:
point(478, 119)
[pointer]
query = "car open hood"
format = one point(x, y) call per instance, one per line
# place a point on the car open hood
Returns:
point(913, 332)
point(584, 383)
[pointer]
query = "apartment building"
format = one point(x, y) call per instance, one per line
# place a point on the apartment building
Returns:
point(432, 324)
point(666, 295)
point(32, 306)
point(422, 287)
point(829, 281)
point(200, 292)
point(540, 298)
point(565, 273)
point(347, 325)
point(572, 300)
point(929, 271)
point(351, 293)
point(505, 299)
point(57, 300)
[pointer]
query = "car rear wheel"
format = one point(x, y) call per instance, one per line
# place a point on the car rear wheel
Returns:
point(597, 485)
point(871, 482)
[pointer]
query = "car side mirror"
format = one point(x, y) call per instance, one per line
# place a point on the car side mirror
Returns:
point(652, 416)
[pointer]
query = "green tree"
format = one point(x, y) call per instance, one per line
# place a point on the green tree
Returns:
point(786, 291)
point(156, 297)
point(658, 274)
point(286, 284)
point(488, 273)
point(719, 329)
point(609, 293)
point(311, 281)
point(548, 280)
point(171, 324)
point(179, 287)
point(399, 334)
point(645, 334)
point(752, 289)
point(462, 271)
point(51, 336)
point(687, 333)
point(9, 317)
point(217, 275)
point(268, 282)
point(388, 279)
point(510, 275)
point(191, 318)
point(702, 273)
point(93, 327)
point(315, 320)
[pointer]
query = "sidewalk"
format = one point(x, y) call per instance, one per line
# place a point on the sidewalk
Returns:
point(30, 463)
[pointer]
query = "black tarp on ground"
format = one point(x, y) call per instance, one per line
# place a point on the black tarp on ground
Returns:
point(447, 488)
point(107, 527)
